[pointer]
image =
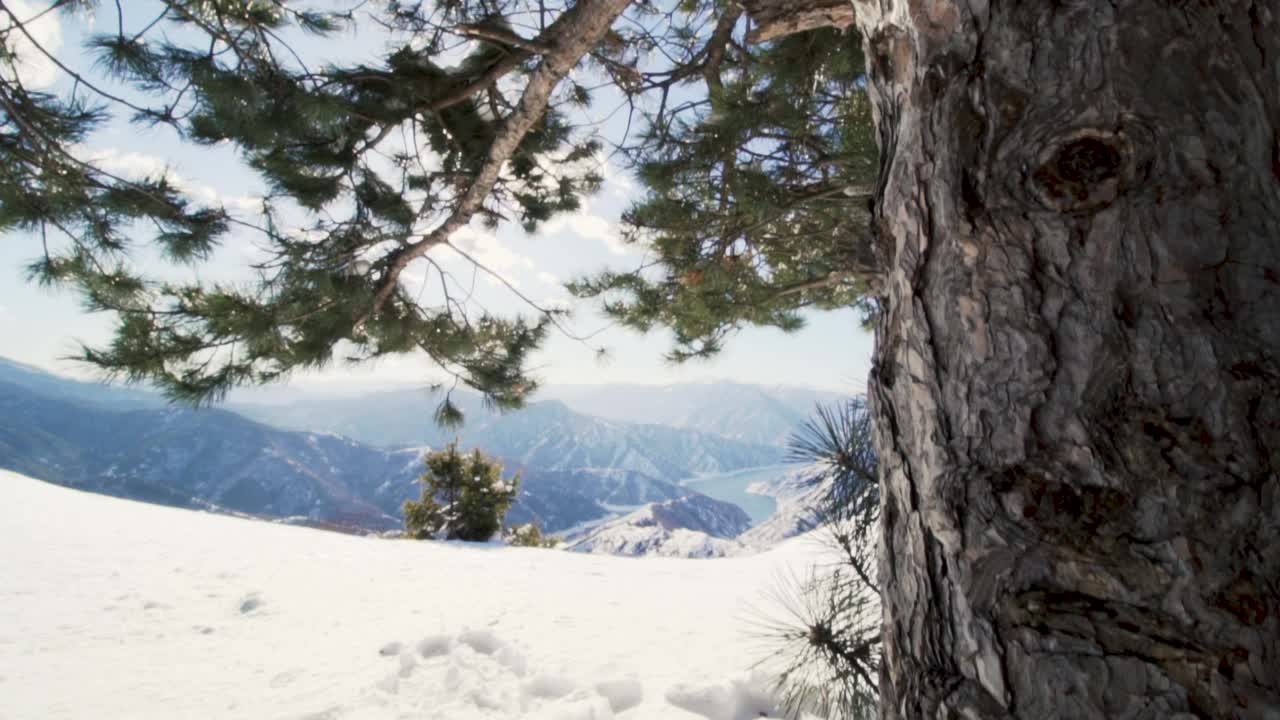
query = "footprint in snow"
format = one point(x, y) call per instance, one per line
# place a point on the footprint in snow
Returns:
point(332, 713)
point(435, 645)
point(407, 664)
point(250, 603)
point(407, 660)
point(513, 660)
point(549, 687)
point(390, 684)
point(622, 694)
point(483, 641)
point(740, 699)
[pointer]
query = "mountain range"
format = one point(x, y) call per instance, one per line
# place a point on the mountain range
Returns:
point(747, 413)
point(697, 526)
point(546, 434)
point(206, 458)
point(576, 470)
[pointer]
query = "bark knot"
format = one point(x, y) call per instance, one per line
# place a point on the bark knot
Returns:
point(1086, 170)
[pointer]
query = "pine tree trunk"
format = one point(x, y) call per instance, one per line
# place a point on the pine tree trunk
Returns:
point(1078, 368)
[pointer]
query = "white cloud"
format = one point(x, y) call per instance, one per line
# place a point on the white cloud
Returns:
point(618, 181)
point(134, 166)
point(589, 226)
point(254, 253)
point(33, 67)
point(556, 303)
point(414, 277)
point(548, 278)
point(487, 250)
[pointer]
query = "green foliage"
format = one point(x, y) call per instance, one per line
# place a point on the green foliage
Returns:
point(838, 440)
point(370, 155)
point(829, 644)
point(463, 498)
point(756, 164)
point(756, 196)
point(530, 535)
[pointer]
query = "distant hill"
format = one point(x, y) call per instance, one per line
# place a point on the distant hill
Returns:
point(188, 458)
point(747, 413)
point(800, 494)
point(547, 435)
point(691, 526)
point(216, 459)
point(698, 526)
point(100, 394)
point(561, 499)
point(751, 415)
point(293, 459)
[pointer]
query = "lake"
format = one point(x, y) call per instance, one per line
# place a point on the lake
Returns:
point(732, 487)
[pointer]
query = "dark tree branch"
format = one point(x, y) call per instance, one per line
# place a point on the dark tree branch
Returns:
point(776, 18)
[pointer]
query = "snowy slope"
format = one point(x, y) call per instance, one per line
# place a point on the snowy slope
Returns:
point(694, 526)
point(116, 609)
point(631, 539)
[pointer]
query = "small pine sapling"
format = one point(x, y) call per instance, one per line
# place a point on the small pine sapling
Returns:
point(463, 497)
point(530, 535)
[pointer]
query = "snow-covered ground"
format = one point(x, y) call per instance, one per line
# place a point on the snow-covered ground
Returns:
point(115, 609)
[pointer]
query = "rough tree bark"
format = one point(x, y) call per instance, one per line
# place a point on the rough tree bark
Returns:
point(1078, 367)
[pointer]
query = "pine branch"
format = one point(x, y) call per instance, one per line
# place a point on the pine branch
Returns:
point(504, 37)
point(776, 18)
point(835, 278)
point(574, 34)
point(80, 79)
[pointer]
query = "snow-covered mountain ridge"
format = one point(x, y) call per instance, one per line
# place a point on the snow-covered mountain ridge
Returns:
point(700, 527)
point(798, 498)
point(577, 471)
point(216, 459)
point(694, 526)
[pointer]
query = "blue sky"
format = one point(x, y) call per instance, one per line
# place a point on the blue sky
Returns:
point(39, 326)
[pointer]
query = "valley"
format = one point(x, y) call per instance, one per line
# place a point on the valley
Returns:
point(310, 461)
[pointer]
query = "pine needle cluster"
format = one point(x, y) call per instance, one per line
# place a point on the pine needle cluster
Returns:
point(361, 162)
point(756, 192)
point(827, 639)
